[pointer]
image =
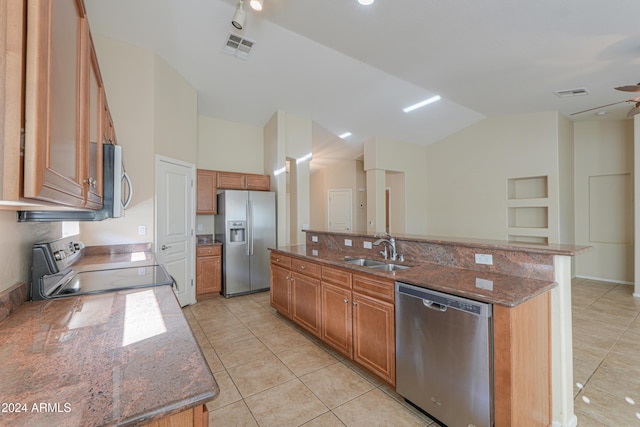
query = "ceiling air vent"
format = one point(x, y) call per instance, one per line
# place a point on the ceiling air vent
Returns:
point(572, 92)
point(238, 46)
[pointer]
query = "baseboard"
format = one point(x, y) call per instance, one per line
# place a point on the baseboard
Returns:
point(601, 279)
point(573, 422)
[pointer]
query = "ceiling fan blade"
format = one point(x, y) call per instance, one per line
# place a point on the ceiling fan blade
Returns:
point(602, 106)
point(633, 111)
point(629, 88)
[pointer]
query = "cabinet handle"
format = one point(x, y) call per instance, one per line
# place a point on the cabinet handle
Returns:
point(355, 303)
point(302, 267)
point(277, 259)
point(346, 301)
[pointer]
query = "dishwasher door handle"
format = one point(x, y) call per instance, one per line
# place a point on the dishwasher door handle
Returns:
point(434, 305)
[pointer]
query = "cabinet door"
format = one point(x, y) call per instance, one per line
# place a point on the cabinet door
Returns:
point(53, 162)
point(208, 276)
point(258, 182)
point(374, 336)
point(336, 319)
point(281, 290)
point(232, 181)
point(93, 133)
point(306, 308)
point(206, 188)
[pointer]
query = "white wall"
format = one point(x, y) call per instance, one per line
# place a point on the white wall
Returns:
point(154, 111)
point(230, 146)
point(604, 199)
point(467, 174)
point(382, 155)
point(17, 242)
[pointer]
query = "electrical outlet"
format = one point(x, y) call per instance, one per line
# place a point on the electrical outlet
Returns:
point(484, 284)
point(142, 230)
point(486, 259)
point(367, 245)
point(199, 227)
point(314, 252)
point(314, 238)
point(348, 242)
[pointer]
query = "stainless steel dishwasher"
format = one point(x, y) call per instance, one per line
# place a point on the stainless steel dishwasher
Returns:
point(444, 360)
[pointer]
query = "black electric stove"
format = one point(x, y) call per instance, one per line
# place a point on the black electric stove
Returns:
point(53, 274)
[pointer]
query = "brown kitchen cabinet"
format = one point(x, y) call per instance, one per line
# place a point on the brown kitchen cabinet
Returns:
point(192, 417)
point(53, 90)
point(208, 271)
point(63, 106)
point(281, 284)
point(306, 300)
point(359, 323)
point(206, 185)
point(242, 181)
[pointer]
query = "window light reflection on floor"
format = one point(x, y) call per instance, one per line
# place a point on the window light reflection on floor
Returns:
point(142, 317)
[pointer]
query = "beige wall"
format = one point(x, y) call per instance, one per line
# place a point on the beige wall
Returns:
point(348, 174)
point(230, 146)
point(468, 173)
point(383, 155)
point(17, 242)
point(604, 199)
point(154, 112)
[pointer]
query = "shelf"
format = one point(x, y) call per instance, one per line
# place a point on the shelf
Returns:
point(534, 187)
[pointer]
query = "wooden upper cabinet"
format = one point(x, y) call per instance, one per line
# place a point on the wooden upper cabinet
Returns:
point(53, 164)
point(232, 181)
point(258, 182)
point(242, 181)
point(206, 186)
point(93, 129)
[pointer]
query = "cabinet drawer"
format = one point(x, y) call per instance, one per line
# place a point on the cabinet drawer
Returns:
point(208, 250)
point(305, 267)
point(381, 289)
point(281, 260)
point(336, 277)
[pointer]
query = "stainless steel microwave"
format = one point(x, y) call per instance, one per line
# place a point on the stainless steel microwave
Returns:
point(116, 194)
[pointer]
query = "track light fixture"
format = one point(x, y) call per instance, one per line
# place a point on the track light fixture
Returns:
point(240, 16)
point(256, 4)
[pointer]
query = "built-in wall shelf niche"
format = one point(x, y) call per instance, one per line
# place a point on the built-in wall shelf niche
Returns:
point(528, 210)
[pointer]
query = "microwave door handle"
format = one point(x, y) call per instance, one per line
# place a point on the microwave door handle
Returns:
point(125, 177)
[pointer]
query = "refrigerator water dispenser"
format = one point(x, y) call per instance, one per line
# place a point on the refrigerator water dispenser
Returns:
point(237, 231)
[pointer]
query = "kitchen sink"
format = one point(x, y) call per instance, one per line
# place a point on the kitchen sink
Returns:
point(365, 262)
point(390, 267)
point(378, 265)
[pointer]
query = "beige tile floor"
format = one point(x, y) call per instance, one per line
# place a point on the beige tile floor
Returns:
point(273, 374)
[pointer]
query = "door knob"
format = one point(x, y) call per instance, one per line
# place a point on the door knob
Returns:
point(165, 247)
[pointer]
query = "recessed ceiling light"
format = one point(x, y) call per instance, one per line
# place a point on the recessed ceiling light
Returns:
point(256, 4)
point(366, 2)
point(601, 113)
point(421, 104)
point(345, 135)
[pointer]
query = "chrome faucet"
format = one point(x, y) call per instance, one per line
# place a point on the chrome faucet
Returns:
point(393, 256)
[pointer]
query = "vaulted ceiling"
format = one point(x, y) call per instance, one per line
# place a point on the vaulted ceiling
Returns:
point(353, 68)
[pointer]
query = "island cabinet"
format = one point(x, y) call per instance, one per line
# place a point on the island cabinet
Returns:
point(193, 417)
point(281, 284)
point(208, 271)
point(352, 313)
point(305, 295)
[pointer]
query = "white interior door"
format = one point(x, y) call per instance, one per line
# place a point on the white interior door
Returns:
point(340, 210)
point(175, 215)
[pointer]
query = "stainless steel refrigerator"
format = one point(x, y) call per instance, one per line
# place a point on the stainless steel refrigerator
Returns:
point(246, 226)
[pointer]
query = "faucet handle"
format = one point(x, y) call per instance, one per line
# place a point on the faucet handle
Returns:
point(384, 253)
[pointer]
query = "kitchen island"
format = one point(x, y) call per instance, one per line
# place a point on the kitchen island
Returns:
point(120, 358)
point(528, 286)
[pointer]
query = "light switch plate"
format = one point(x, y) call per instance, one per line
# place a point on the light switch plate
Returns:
point(486, 259)
point(367, 245)
point(314, 238)
point(348, 242)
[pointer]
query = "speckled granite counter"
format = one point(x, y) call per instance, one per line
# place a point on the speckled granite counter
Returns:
point(488, 287)
point(121, 358)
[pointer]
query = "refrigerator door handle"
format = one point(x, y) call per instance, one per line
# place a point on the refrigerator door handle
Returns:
point(249, 228)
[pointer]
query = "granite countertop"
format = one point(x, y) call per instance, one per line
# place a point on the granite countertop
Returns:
point(206, 239)
point(120, 358)
point(487, 287)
